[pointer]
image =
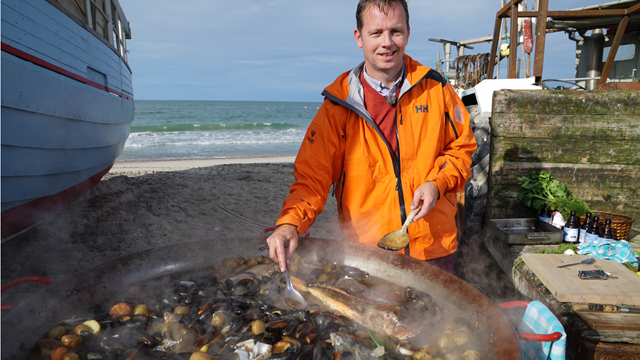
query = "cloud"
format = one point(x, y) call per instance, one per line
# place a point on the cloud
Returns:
point(286, 50)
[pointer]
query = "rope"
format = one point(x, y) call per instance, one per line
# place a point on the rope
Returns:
point(470, 70)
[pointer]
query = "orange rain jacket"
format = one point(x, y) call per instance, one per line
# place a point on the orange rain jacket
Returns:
point(373, 186)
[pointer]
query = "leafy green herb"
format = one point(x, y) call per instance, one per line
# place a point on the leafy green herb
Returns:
point(540, 188)
point(379, 340)
point(560, 250)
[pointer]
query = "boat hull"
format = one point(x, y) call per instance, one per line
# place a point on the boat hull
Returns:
point(67, 108)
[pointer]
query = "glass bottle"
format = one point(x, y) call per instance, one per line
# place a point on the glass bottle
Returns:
point(585, 225)
point(546, 214)
point(607, 234)
point(593, 231)
point(572, 229)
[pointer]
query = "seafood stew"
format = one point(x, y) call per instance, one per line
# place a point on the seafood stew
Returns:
point(244, 299)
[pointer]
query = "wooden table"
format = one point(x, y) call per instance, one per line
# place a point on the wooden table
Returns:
point(589, 335)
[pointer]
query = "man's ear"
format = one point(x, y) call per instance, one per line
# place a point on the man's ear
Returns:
point(357, 37)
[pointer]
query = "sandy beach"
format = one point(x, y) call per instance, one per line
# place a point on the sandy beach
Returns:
point(141, 205)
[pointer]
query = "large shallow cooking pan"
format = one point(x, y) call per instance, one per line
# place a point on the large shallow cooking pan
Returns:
point(27, 322)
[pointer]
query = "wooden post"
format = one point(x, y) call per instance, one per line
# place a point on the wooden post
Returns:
point(614, 49)
point(87, 4)
point(541, 33)
point(494, 46)
point(513, 44)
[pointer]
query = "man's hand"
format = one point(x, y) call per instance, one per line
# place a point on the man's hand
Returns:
point(426, 193)
point(282, 244)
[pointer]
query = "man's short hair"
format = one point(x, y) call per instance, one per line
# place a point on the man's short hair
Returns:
point(382, 6)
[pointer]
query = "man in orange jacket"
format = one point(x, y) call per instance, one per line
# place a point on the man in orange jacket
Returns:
point(390, 132)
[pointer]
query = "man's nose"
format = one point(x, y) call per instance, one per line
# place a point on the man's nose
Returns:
point(387, 39)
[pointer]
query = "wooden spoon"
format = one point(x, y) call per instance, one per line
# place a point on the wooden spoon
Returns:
point(398, 239)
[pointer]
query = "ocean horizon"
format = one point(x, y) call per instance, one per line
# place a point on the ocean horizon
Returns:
point(194, 129)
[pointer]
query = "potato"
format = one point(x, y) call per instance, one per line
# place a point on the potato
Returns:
point(58, 353)
point(218, 319)
point(57, 332)
point(119, 310)
point(50, 344)
point(471, 355)
point(200, 356)
point(257, 327)
point(72, 340)
point(422, 354)
point(141, 309)
point(182, 310)
point(252, 262)
point(71, 356)
point(231, 263)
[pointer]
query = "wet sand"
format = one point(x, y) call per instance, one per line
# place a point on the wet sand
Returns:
point(142, 205)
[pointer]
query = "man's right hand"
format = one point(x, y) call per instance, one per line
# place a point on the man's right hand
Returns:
point(282, 244)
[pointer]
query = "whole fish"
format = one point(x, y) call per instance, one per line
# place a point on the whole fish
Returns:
point(385, 319)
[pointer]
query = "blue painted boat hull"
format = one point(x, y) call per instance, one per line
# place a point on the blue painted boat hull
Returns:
point(67, 108)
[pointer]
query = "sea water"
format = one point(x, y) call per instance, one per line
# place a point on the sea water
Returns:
point(167, 130)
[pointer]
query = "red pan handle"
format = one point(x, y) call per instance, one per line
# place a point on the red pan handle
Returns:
point(22, 280)
point(528, 336)
point(273, 228)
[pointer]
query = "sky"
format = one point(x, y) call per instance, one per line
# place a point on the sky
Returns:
point(290, 50)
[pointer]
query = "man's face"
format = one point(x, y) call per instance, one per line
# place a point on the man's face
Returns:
point(383, 38)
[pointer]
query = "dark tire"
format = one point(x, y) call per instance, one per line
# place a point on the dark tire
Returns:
point(477, 187)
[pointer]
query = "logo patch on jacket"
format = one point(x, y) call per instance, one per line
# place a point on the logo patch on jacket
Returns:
point(422, 108)
point(457, 112)
point(310, 138)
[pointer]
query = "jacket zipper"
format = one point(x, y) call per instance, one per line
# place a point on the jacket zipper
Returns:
point(396, 169)
point(395, 160)
point(341, 193)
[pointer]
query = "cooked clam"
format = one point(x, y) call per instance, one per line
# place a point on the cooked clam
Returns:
point(446, 341)
point(461, 336)
point(93, 325)
point(80, 329)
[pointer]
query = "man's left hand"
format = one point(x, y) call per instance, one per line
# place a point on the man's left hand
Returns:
point(427, 194)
